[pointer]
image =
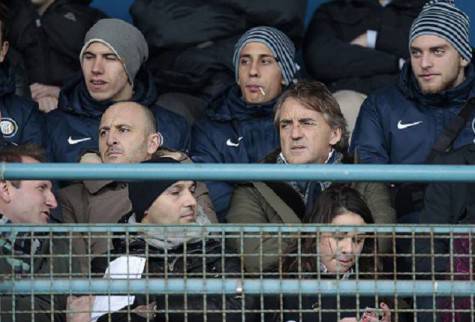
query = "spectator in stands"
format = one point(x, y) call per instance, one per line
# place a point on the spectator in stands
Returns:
point(400, 124)
point(358, 46)
point(312, 131)
point(340, 255)
point(111, 58)
point(30, 255)
point(239, 127)
point(127, 134)
point(178, 254)
point(449, 203)
point(197, 61)
point(49, 34)
point(20, 121)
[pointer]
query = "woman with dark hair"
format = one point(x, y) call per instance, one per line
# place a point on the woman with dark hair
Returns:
point(335, 255)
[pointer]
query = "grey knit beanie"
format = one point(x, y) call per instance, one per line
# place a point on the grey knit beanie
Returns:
point(441, 18)
point(125, 40)
point(281, 46)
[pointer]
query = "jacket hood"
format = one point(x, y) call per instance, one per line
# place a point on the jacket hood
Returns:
point(410, 88)
point(230, 106)
point(74, 97)
point(7, 79)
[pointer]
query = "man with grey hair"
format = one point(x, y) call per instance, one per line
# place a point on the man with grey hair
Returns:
point(112, 58)
point(312, 130)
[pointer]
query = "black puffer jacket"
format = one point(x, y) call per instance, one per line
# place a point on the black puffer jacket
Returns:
point(192, 41)
point(329, 56)
point(50, 44)
point(193, 260)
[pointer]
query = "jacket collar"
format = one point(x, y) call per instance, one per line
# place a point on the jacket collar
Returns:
point(75, 98)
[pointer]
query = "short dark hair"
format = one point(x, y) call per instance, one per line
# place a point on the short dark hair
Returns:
point(14, 154)
point(316, 96)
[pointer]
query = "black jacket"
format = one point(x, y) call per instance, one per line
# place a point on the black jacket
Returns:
point(21, 122)
point(446, 203)
point(329, 56)
point(192, 41)
point(200, 261)
point(50, 44)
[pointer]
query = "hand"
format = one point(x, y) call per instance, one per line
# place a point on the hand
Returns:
point(371, 316)
point(90, 157)
point(39, 91)
point(361, 40)
point(47, 104)
point(79, 308)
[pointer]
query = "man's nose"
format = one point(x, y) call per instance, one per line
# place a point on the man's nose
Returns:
point(51, 200)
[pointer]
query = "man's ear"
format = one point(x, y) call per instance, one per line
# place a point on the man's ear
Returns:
point(154, 141)
point(335, 136)
point(5, 191)
point(464, 63)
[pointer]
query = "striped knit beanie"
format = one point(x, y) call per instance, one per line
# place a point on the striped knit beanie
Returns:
point(441, 18)
point(281, 46)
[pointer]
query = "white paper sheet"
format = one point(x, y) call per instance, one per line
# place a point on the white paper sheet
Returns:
point(123, 267)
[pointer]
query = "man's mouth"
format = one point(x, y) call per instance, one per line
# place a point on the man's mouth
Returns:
point(255, 89)
point(113, 153)
point(427, 77)
point(97, 83)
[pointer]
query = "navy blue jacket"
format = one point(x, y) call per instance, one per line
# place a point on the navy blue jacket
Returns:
point(73, 127)
point(399, 124)
point(233, 132)
point(21, 120)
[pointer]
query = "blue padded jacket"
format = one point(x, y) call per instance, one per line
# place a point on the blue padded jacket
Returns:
point(73, 127)
point(399, 125)
point(233, 132)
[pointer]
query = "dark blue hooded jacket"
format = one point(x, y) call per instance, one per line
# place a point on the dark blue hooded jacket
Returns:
point(73, 127)
point(21, 120)
point(233, 132)
point(399, 124)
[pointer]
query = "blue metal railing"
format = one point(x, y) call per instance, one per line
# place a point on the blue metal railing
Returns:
point(236, 286)
point(240, 172)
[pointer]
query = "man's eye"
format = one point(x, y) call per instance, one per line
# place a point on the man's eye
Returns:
point(415, 53)
point(102, 133)
point(244, 61)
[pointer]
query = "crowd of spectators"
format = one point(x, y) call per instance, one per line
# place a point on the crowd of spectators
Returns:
point(375, 82)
